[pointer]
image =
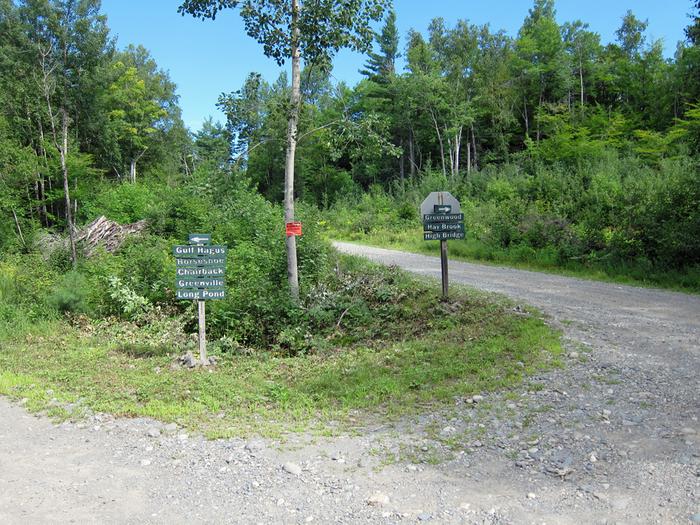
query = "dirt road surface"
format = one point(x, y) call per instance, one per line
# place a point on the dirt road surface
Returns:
point(613, 437)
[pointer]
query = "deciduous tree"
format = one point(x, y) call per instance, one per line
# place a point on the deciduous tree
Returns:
point(296, 30)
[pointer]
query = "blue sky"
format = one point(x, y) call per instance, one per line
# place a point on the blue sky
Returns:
point(205, 58)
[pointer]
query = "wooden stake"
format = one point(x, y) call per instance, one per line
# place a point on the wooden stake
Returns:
point(202, 333)
point(443, 265)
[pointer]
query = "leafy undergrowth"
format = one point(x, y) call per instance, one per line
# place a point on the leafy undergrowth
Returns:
point(378, 344)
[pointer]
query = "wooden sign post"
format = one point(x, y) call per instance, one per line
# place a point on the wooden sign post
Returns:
point(201, 271)
point(202, 311)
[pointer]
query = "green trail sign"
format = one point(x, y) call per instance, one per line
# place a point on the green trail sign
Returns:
point(442, 236)
point(211, 271)
point(200, 294)
point(194, 262)
point(200, 238)
point(200, 270)
point(442, 221)
point(443, 217)
point(200, 283)
point(186, 250)
point(444, 227)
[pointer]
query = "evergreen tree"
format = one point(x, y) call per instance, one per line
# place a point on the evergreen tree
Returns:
point(693, 30)
point(381, 66)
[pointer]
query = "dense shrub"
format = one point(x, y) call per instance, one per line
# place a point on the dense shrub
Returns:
point(606, 211)
point(70, 294)
point(124, 203)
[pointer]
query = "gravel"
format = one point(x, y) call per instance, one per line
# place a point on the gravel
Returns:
point(612, 437)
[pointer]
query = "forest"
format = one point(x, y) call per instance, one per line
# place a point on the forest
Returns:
point(567, 153)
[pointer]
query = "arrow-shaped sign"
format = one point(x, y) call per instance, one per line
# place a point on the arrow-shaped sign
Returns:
point(200, 238)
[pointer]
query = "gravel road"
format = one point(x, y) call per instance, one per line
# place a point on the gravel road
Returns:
point(613, 437)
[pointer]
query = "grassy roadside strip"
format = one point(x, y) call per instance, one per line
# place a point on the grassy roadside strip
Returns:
point(473, 251)
point(413, 353)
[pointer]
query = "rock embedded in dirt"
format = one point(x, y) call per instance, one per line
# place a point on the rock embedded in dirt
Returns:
point(153, 432)
point(254, 447)
point(292, 468)
point(189, 360)
point(378, 499)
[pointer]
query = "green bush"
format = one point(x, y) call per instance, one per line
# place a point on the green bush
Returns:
point(70, 294)
point(614, 213)
point(124, 203)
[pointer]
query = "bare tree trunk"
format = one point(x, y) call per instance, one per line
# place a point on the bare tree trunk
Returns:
point(580, 78)
point(469, 156)
point(537, 118)
point(292, 272)
point(412, 155)
point(475, 157)
point(29, 201)
point(401, 162)
point(187, 168)
point(37, 196)
point(53, 206)
point(42, 187)
point(527, 120)
point(132, 166)
point(442, 146)
point(63, 150)
point(19, 229)
point(450, 153)
point(42, 190)
point(458, 147)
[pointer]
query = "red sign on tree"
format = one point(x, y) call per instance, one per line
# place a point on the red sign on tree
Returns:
point(293, 228)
